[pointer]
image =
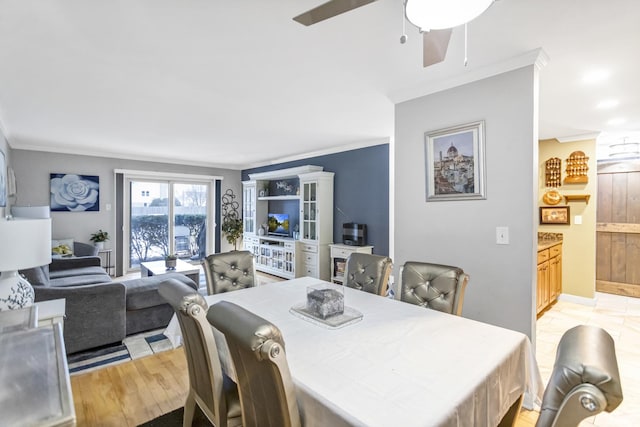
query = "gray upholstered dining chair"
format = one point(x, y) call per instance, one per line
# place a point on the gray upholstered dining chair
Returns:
point(585, 379)
point(209, 388)
point(436, 286)
point(229, 271)
point(369, 273)
point(256, 347)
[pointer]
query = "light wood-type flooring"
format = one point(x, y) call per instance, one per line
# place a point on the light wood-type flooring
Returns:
point(140, 390)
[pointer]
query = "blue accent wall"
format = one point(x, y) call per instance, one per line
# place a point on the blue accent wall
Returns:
point(361, 190)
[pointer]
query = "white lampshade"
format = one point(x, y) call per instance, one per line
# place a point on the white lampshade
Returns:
point(440, 14)
point(30, 211)
point(26, 243)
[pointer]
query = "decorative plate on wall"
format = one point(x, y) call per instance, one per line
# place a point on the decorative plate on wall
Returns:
point(552, 197)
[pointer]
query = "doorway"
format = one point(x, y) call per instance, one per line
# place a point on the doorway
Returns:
point(163, 214)
point(618, 228)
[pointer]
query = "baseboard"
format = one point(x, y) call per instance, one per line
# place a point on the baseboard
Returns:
point(577, 300)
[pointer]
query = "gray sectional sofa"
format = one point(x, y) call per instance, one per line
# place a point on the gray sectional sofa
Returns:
point(100, 311)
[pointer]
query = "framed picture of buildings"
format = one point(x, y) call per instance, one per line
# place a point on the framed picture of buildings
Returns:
point(554, 215)
point(455, 163)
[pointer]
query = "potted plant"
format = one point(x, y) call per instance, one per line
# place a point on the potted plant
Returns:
point(232, 229)
point(231, 225)
point(170, 261)
point(99, 237)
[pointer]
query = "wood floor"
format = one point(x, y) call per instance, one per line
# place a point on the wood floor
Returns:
point(131, 393)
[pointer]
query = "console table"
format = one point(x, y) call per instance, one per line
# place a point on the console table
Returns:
point(52, 311)
point(35, 388)
point(339, 255)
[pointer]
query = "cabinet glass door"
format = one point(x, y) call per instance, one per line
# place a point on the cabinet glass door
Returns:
point(309, 211)
point(249, 214)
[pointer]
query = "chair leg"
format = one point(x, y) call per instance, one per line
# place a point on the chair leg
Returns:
point(189, 410)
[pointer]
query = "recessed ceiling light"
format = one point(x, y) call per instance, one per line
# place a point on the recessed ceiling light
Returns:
point(595, 76)
point(616, 121)
point(607, 104)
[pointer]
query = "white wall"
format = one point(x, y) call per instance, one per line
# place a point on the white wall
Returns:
point(4, 147)
point(32, 169)
point(463, 233)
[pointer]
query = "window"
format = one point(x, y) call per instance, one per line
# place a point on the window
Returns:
point(167, 216)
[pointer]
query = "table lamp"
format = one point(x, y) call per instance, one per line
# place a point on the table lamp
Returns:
point(26, 243)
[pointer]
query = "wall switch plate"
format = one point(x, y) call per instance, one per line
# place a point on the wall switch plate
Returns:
point(502, 235)
point(577, 219)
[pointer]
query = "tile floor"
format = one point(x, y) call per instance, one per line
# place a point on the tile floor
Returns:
point(618, 315)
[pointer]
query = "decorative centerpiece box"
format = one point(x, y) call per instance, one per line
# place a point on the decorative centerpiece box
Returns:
point(324, 302)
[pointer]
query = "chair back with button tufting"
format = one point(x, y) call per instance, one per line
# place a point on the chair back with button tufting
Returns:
point(229, 271)
point(369, 273)
point(435, 286)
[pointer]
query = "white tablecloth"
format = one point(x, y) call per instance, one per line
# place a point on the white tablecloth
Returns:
point(401, 365)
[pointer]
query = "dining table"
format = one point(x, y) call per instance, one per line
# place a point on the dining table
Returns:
point(397, 364)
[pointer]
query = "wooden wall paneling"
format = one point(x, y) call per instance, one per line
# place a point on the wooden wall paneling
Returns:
point(618, 288)
point(603, 258)
point(618, 258)
point(605, 197)
point(619, 198)
point(633, 197)
point(633, 254)
point(614, 227)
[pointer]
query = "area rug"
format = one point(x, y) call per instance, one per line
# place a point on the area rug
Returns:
point(132, 347)
point(174, 419)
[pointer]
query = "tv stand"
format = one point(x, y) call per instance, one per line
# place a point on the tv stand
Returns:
point(273, 255)
point(310, 190)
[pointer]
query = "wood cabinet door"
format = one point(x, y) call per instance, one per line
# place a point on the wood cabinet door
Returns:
point(542, 294)
point(553, 278)
point(618, 229)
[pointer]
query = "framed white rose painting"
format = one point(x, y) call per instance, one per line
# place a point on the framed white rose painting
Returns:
point(75, 193)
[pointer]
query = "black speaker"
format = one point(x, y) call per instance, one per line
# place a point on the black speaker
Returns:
point(354, 234)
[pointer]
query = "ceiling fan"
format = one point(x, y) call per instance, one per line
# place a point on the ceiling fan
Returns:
point(434, 18)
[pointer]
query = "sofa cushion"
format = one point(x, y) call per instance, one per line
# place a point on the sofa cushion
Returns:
point(81, 271)
point(143, 293)
point(37, 276)
point(85, 279)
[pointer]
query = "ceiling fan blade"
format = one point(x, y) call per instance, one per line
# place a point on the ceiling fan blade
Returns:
point(434, 46)
point(329, 10)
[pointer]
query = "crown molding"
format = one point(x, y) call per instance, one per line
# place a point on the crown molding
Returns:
point(317, 153)
point(581, 137)
point(536, 57)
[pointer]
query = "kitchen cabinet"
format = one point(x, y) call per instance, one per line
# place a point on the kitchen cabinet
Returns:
point(549, 277)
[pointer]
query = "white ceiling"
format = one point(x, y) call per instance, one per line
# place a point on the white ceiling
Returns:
point(239, 83)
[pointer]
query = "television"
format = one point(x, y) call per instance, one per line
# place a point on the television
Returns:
point(278, 224)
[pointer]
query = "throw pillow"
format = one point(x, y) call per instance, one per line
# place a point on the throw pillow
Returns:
point(37, 276)
point(62, 247)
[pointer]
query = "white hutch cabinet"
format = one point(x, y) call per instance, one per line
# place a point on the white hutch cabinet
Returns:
point(304, 249)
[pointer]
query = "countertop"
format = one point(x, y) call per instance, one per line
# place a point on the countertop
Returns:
point(546, 244)
point(547, 240)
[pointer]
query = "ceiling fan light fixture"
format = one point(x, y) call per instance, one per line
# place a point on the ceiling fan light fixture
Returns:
point(440, 14)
